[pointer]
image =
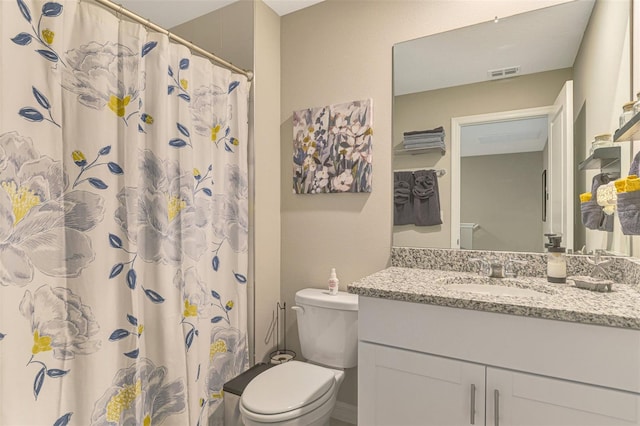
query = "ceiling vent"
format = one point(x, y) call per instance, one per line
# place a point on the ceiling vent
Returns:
point(503, 72)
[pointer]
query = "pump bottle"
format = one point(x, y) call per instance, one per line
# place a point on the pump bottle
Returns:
point(556, 260)
point(333, 282)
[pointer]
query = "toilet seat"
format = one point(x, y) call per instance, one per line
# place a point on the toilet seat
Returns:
point(288, 391)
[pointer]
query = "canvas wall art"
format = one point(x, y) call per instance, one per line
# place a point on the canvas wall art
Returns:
point(332, 148)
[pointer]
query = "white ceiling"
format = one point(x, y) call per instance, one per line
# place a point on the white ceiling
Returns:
point(541, 40)
point(504, 137)
point(169, 13)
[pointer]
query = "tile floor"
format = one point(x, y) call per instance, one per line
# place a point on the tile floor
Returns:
point(336, 422)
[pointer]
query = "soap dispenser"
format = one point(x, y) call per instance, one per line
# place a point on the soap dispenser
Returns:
point(556, 260)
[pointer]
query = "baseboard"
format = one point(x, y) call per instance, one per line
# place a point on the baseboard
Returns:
point(345, 412)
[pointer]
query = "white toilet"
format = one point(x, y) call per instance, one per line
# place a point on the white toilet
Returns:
point(304, 393)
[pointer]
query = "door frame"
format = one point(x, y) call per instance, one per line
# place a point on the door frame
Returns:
point(456, 125)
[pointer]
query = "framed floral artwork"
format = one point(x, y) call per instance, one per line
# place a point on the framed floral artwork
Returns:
point(332, 148)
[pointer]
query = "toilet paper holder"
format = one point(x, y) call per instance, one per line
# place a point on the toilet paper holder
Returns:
point(283, 355)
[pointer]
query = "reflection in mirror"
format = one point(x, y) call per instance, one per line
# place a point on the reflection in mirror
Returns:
point(507, 156)
point(520, 100)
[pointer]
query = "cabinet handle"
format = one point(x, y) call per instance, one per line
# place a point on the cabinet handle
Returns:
point(496, 407)
point(472, 412)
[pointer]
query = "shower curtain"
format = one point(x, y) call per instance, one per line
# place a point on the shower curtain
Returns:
point(123, 222)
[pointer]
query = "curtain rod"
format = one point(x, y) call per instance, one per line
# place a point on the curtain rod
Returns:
point(119, 9)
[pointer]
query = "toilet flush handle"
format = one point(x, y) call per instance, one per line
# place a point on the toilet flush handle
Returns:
point(298, 308)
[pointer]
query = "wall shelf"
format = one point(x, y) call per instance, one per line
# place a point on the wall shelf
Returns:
point(630, 131)
point(602, 158)
point(415, 151)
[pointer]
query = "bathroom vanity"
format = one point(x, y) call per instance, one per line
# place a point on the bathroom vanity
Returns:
point(433, 353)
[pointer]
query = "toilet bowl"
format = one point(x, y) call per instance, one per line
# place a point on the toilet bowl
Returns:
point(291, 394)
point(304, 393)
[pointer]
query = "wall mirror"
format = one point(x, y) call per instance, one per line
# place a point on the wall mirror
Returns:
point(519, 100)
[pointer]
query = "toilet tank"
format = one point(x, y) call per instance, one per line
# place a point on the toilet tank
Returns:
point(328, 327)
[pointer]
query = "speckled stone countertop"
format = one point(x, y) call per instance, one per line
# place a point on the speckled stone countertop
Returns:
point(540, 299)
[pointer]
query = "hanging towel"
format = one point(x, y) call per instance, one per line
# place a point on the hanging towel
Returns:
point(599, 180)
point(402, 198)
point(426, 198)
point(593, 216)
point(635, 164)
point(628, 208)
point(628, 200)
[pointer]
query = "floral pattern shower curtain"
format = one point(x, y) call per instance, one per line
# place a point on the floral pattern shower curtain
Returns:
point(123, 222)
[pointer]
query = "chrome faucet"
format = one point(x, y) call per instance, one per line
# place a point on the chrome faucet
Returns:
point(509, 267)
point(489, 267)
point(492, 267)
point(599, 264)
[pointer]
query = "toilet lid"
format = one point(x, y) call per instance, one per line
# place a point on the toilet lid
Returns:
point(286, 387)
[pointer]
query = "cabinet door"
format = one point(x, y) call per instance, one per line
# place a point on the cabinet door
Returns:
point(398, 387)
point(526, 399)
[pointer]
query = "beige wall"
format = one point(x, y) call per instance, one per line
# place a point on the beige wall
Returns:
point(226, 32)
point(503, 194)
point(434, 108)
point(602, 85)
point(338, 51)
point(266, 179)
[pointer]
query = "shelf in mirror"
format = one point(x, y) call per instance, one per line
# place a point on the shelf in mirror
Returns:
point(602, 158)
point(415, 151)
point(630, 131)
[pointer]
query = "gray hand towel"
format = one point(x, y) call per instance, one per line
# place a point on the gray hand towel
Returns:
point(599, 179)
point(402, 198)
point(593, 217)
point(438, 129)
point(602, 179)
point(628, 204)
point(426, 198)
point(629, 212)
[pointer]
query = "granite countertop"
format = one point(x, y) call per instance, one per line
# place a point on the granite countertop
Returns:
point(564, 302)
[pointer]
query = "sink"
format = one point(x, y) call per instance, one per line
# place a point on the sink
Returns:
point(495, 286)
point(496, 290)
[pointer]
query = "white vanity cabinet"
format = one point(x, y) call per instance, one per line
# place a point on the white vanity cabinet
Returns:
point(529, 399)
point(401, 387)
point(423, 364)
